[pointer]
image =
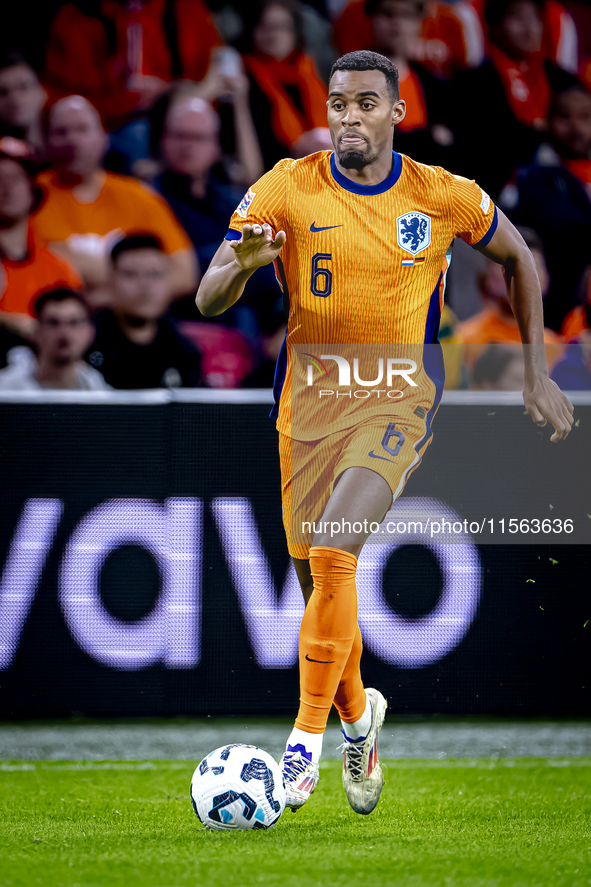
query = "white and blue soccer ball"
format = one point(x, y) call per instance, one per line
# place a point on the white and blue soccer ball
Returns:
point(238, 787)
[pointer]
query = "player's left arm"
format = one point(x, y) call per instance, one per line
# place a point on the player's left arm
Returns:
point(542, 397)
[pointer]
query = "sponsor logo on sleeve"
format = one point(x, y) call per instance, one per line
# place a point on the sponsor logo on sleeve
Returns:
point(485, 202)
point(242, 208)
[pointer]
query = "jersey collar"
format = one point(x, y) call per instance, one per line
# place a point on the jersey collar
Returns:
point(348, 185)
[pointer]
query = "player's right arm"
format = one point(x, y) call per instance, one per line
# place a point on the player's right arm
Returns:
point(234, 262)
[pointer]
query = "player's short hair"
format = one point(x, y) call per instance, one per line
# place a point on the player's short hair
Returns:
point(366, 60)
point(134, 242)
point(60, 294)
point(495, 10)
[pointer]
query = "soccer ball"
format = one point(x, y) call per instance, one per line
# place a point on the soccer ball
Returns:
point(238, 787)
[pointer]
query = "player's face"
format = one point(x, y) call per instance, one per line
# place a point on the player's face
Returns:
point(64, 332)
point(570, 124)
point(76, 139)
point(141, 282)
point(16, 194)
point(361, 117)
point(21, 96)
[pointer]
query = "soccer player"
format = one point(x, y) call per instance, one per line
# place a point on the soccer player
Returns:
point(361, 240)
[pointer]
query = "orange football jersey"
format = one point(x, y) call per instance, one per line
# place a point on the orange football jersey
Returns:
point(363, 267)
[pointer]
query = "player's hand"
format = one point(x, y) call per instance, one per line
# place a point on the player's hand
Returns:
point(257, 247)
point(544, 401)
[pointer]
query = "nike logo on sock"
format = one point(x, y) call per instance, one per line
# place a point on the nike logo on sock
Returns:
point(321, 661)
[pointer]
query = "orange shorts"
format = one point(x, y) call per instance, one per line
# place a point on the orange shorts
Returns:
point(309, 469)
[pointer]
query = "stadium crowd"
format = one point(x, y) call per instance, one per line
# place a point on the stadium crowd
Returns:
point(130, 130)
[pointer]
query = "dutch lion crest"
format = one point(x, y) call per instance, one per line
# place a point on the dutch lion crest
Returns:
point(414, 232)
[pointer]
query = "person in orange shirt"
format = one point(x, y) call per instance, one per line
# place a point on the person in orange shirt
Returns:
point(361, 241)
point(26, 268)
point(86, 209)
point(496, 322)
point(287, 96)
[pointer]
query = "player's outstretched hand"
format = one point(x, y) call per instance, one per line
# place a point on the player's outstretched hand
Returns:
point(257, 247)
point(545, 401)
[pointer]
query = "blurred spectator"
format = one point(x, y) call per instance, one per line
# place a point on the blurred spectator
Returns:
point(287, 97)
point(553, 194)
point(450, 36)
point(26, 266)
point(86, 209)
point(517, 81)
point(193, 181)
point(577, 319)
point(453, 350)
point(559, 33)
point(496, 323)
point(499, 368)
point(423, 134)
point(121, 55)
point(462, 291)
point(137, 344)
point(573, 371)
point(62, 335)
point(226, 86)
point(22, 98)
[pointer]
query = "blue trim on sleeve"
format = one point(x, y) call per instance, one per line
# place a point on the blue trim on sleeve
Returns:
point(233, 235)
point(489, 234)
point(368, 190)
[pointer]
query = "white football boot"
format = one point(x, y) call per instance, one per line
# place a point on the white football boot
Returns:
point(363, 779)
point(300, 776)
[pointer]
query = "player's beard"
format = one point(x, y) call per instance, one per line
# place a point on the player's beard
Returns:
point(355, 159)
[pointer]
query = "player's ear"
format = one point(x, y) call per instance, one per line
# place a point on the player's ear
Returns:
point(398, 111)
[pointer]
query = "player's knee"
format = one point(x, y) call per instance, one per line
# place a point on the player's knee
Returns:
point(336, 536)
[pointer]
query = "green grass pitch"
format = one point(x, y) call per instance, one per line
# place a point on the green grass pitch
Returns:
point(522, 822)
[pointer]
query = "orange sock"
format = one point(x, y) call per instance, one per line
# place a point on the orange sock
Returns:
point(327, 634)
point(350, 699)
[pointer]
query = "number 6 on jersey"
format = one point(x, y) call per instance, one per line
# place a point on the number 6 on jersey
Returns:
point(321, 280)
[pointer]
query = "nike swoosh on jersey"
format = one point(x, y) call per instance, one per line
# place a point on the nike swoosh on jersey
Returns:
point(373, 456)
point(315, 230)
point(321, 661)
